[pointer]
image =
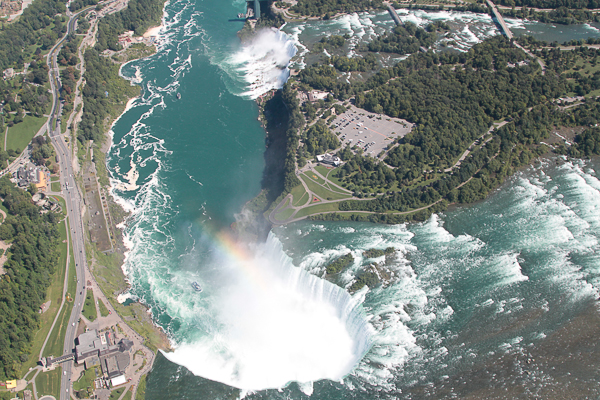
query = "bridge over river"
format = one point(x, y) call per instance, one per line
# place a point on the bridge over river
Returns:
point(500, 20)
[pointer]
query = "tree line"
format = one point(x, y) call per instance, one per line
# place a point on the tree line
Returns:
point(328, 8)
point(453, 98)
point(32, 260)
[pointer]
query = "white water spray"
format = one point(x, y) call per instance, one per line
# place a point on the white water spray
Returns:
point(276, 324)
point(262, 63)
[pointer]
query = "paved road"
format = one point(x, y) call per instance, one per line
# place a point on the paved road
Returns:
point(73, 204)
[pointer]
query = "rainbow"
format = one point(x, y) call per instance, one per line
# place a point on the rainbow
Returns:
point(240, 256)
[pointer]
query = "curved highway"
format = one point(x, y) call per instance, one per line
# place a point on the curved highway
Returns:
point(74, 204)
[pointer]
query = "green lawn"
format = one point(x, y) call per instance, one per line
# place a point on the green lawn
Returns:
point(323, 193)
point(21, 134)
point(315, 177)
point(300, 195)
point(2, 134)
point(48, 383)
point(102, 307)
point(63, 123)
point(285, 214)
point(323, 170)
point(55, 344)
point(336, 189)
point(85, 381)
point(54, 294)
point(57, 337)
point(127, 395)
point(140, 394)
point(319, 208)
point(115, 394)
point(89, 308)
point(55, 186)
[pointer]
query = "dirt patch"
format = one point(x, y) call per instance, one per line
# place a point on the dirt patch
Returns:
point(561, 134)
point(4, 248)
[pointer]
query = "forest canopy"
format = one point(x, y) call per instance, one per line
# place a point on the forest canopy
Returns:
point(32, 259)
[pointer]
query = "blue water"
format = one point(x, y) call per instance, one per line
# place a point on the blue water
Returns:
point(466, 287)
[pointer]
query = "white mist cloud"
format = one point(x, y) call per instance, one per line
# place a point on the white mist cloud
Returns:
point(262, 62)
point(276, 324)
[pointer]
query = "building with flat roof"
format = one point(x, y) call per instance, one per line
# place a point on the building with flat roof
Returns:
point(119, 380)
point(329, 159)
point(93, 348)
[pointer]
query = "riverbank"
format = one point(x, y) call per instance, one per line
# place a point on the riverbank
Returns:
point(105, 247)
point(106, 266)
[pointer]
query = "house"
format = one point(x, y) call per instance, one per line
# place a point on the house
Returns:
point(8, 73)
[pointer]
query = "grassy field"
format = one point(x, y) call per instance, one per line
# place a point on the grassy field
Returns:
point(48, 383)
point(2, 134)
point(115, 394)
point(141, 390)
point(315, 177)
point(300, 195)
point(323, 193)
point(323, 170)
point(319, 208)
point(89, 308)
point(21, 134)
point(54, 294)
point(127, 395)
point(62, 203)
point(102, 307)
point(285, 214)
point(110, 278)
point(57, 337)
point(55, 186)
point(85, 381)
point(336, 189)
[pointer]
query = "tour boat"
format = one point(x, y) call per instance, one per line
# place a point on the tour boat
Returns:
point(196, 287)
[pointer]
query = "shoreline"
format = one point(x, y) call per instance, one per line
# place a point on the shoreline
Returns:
point(120, 211)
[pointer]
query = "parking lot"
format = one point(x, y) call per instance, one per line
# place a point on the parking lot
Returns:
point(369, 131)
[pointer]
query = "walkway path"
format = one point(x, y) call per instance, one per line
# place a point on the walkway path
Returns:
point(288, 202)
point(533, 57)
point(466, 153)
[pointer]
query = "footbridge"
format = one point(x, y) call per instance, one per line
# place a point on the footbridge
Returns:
point(394, 14)
point(500, 20)
point(48, 361)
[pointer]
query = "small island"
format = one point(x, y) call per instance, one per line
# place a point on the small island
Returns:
point(437, 128)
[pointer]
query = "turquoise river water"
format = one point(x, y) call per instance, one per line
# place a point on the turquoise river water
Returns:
point(467, 287)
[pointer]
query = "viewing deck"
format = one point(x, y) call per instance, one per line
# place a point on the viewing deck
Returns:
point(500, 20)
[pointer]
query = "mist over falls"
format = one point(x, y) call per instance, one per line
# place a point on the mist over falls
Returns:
point(261, 63)
point(275, 324)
